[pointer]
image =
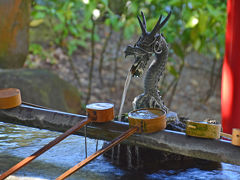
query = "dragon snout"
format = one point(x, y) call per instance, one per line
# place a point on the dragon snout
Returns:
point(130, 50)
point(135, 69)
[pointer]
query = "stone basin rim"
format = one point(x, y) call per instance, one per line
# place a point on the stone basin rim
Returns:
point(163, 115)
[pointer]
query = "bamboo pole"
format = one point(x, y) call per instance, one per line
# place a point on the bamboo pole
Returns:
point(98, 153)
point(44, 149)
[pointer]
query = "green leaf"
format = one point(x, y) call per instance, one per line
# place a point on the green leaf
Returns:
point(129, 30)
point(40, 8)
point(194, 34)
point(73, 30)
point(60, 16)
point(151, 23)
point(108, 22)
point(185, 36)
point(82, 43)
point(202, 25)
point(35, 48)
point(59, 27)
point(36, 22)
point(38, 15)
point(105, 2)
point(197, 44)
point(172, 71)
point(71, 49)
point(113, 20)
point(175, 2)
point(96, 37)
point(178, 50)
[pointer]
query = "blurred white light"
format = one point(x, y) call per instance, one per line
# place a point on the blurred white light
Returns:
point(128, 3)
point(85, 1)
point(96, 13)
point(194, 21)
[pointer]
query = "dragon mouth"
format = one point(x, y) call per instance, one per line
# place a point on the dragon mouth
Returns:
point(141, 58)
point(135, 70)
point(138, 67)
point(135, 50)
point(130, 50)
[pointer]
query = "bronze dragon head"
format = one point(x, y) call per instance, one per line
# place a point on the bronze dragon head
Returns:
point(147, 44)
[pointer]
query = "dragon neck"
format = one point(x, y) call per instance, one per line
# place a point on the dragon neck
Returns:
point(155, 71)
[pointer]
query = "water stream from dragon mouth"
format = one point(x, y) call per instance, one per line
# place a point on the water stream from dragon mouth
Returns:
point(126, 85)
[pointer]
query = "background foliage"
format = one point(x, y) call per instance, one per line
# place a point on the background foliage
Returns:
point(195, 25)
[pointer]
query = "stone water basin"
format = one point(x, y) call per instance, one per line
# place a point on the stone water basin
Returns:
point(18, 142)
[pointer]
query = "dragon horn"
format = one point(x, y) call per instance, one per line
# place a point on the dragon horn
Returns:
point(144, 20)
point(166, 19)
point(159, 25)
point(144, 32)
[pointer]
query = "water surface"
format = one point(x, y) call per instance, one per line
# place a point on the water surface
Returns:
point(146, 114)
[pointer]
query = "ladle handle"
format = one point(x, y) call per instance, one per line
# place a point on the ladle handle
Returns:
point(44, 149)
point(114, 142)
point(226, 135)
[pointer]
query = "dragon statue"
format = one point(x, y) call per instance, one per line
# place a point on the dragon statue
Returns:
point(148, 44)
